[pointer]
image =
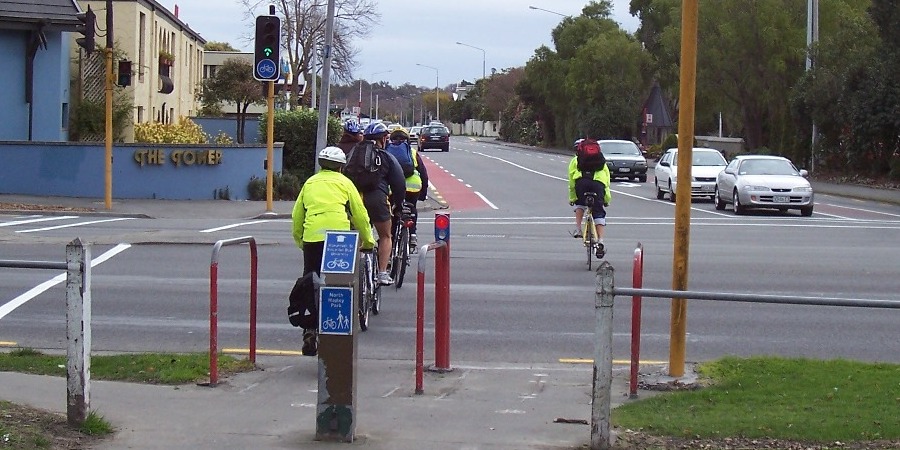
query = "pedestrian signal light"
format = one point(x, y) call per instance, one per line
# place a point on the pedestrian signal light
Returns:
point(87, 29)
point(442, 227)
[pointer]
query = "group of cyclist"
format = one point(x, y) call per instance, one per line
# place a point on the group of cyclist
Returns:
point(329, 200)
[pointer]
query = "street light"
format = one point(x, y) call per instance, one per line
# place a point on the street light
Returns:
point(547, 10)
point(483, 56)
point(370, 91)
point(437, 82)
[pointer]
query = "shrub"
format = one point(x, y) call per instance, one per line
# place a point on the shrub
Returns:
point(183, 132)
point(895, 168)
point(285, 186)
point(297, 130)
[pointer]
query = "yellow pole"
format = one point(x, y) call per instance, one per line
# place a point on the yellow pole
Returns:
point(683, 190)
point(109, 127)
point(270, 151)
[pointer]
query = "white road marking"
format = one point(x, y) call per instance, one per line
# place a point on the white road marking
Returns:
point(234, 225)
point(486, 200)
point(37, 290)
point(90, 222)
point(38, 219)
point(859, 209)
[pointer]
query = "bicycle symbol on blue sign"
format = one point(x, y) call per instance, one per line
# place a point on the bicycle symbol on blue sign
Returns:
point(335, 310)
point(267, 69)
point(338, 264)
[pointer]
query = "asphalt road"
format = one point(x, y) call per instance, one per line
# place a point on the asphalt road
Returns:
point(519, 287)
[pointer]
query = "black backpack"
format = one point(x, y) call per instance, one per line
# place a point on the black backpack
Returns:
point(590, 158)
point(366, 166)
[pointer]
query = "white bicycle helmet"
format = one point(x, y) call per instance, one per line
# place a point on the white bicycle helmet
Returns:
point(333, 154)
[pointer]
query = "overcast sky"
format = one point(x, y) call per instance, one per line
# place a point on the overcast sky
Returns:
point(423, 32)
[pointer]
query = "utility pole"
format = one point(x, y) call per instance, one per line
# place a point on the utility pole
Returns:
point(812, 37)
point(325, 96)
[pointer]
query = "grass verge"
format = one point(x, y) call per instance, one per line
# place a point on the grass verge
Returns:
point(777, 398)
point(27, 428)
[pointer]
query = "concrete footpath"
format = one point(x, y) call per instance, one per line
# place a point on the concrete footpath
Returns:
point(476, 406)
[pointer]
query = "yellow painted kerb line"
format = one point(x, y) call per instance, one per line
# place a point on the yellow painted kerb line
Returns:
point(246, 351)
point(624, 362)
point(7, 344)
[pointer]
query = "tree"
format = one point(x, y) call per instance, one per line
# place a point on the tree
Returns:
point(500, 90)
point(213, 46)
point(233, 82)
point(303, 31)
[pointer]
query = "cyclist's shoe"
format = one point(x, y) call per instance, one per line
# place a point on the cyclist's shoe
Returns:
point(413, 244)
point(601, 251)
point(310, 343)
point(577, 234)
point(384, 278)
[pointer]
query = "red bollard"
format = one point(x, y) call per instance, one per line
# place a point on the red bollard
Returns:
point(442, 309)
point(637, 281)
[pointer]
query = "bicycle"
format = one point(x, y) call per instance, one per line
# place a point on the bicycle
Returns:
point(369, 288)
point(589, 229)
point(400, 251)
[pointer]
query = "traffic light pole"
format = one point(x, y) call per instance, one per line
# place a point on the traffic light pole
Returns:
point(108, 55)
point(270, 137)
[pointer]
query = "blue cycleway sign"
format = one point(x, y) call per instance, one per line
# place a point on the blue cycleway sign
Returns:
point(266, 69)
point(339, 255)
point(336, 310)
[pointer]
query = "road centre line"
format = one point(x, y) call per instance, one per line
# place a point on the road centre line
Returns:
point(234, 225)
point(38, 219)
point(11, 305)
point(90, 222)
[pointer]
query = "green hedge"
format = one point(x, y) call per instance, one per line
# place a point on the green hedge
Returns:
point(297, 129)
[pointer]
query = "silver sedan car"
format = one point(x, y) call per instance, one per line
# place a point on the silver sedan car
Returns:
point(761, 181)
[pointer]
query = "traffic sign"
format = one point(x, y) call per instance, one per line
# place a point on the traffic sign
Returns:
point(266, 70)
point(267, 51)
point(339, 255)
point(336, 310)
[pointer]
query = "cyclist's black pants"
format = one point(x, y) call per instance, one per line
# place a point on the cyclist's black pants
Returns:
point(312, 256)
point(583, 185)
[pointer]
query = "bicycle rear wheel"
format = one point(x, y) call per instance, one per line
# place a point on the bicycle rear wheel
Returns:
point(589, 240)
point(365, 287)
point(375, 296)
point(402, 259)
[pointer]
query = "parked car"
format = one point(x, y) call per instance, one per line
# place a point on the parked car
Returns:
point(434, 136)
point(414, 135)
point(761, 181)
point(706, 163)
point(624, 159)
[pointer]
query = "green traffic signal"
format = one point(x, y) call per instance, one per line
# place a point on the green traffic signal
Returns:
point(267, 51)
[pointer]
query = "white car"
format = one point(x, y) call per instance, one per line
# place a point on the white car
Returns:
point(706, 163)
point(414, 135)
point(762, 181)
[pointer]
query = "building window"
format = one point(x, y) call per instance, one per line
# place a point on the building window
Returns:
point(140, 114)
point(65, 116)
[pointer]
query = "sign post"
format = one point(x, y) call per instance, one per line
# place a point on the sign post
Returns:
point(336, 405)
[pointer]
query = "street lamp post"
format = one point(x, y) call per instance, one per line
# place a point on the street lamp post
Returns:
point(483, 56)
point(547, 10)
point(370, 91)
point(437, 83)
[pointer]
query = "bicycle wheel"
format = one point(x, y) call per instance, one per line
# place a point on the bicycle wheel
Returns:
point(588, 234)
point(375, 293)
point(365, 286)
point(395, 250)
point(402, 259)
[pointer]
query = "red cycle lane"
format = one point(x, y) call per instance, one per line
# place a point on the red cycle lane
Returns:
point(456, 195)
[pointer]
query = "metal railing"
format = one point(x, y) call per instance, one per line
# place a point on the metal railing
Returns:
point(214, 304)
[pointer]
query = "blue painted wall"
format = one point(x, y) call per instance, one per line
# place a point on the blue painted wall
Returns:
point(51, 87)
point(215, 125)
point(139, 170)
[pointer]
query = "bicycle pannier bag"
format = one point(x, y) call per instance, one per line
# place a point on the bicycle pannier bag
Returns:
point(302, 308)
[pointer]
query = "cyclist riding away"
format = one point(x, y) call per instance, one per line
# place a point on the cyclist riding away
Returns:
point(588, 173)
point(352, 136)
point(416, 178)
point(323, 204)
point(387, 189)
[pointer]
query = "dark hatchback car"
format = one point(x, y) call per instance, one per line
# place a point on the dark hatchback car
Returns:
point(434, 136)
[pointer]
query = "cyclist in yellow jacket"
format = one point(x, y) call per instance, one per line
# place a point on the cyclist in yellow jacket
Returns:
point(323, 204)
point(597, 182)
